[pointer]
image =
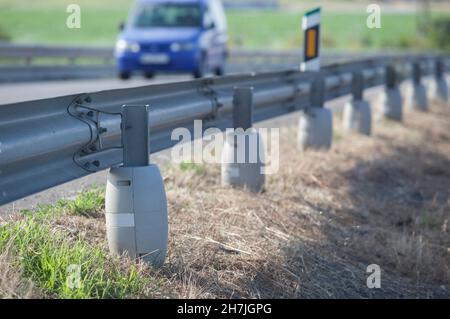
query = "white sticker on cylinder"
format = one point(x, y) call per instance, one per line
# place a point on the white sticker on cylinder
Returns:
point(119, 220)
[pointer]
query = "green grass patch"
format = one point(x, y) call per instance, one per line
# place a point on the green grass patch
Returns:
point(44, 21)
point(199, 169)
point(88, 203)
point(337, 137)
point(62, 262)
point(430, 221)
point(4, 36)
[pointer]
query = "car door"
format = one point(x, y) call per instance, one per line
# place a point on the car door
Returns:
point(217, 37)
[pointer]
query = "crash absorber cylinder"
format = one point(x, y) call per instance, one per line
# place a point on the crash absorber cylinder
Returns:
point(390, 102)
point(315, 126)
point(243, 151)
point(136, 204)
point(417, 95)
point(242, 164)
point(439, 87)
point(357, 116)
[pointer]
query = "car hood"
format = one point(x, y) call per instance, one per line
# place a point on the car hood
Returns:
point(145, 35)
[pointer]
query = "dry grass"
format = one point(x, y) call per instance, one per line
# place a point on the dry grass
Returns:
point(317, 225)
point(12, 283)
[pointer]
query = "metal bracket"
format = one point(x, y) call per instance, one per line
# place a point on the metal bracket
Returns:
point(294, 103)
point(357, 85)
point(417, 72)
point(317, 93)
point(439, 68)
point(206, 90)
point(81, 109)
point(392, 77)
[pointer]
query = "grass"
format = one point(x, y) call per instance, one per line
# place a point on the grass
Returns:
point(48, 268)
point(43, 21)
point(87, 204)
point(310, 234)
point(44, 248)
point(197, 168)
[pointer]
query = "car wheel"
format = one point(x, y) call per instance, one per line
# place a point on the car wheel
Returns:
point(149, 75)
point(201, 68)
point(219, 71)
point(124, 75)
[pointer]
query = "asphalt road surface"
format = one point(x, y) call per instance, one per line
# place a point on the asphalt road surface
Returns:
point(30, 91)
point(20, 92)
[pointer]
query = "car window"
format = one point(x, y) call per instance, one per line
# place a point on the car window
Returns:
point(168, 15)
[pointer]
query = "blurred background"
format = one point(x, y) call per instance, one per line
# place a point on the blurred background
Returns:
point(253, 24)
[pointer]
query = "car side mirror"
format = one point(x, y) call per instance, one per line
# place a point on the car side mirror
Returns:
point(208, 23)
point(121, 26)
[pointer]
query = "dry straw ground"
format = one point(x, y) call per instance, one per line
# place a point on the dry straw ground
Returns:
point(314, 229)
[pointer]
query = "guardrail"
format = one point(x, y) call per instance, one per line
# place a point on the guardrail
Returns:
point(20, 63)
point(47, 142)
point(37, 63)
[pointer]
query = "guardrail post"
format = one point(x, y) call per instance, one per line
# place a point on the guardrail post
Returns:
point(390, 102)
point(315, 128)
point(357, 113)
point(243, 152)
point(439, 88)
point(135, 203)
point(417, 97)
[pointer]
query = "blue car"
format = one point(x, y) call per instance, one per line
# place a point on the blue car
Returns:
point(188, 36)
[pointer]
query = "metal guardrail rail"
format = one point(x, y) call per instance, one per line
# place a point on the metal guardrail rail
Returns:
point(37, 62)
point(47, 142)
point(30, 52)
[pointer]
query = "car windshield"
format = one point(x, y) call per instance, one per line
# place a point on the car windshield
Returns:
point(168, 15)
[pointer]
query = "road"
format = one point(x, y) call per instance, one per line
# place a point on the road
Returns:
point(28, 91)
point(19, 92)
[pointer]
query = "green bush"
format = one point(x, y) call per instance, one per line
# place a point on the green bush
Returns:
point(440, 33)
point(4, 36)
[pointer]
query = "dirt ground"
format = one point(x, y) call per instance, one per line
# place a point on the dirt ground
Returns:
point(319, 222)
point(323, 219)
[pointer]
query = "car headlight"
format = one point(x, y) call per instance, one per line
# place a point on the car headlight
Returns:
point(126, 46)
point(177, 46)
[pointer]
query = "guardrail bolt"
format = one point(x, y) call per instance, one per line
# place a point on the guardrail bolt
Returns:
point(243, 152)
point(438, 87)
point(315, 129)
point(136, 204)
point(357, 113)
point(390, 103)
point(416, 95)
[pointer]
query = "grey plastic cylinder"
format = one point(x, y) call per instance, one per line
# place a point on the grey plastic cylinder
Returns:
point(358, 117)
point(417, 97)
point(136, 213)
point(243, 160)
point(439, 91)
point(390, 104)
point(315, 129)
